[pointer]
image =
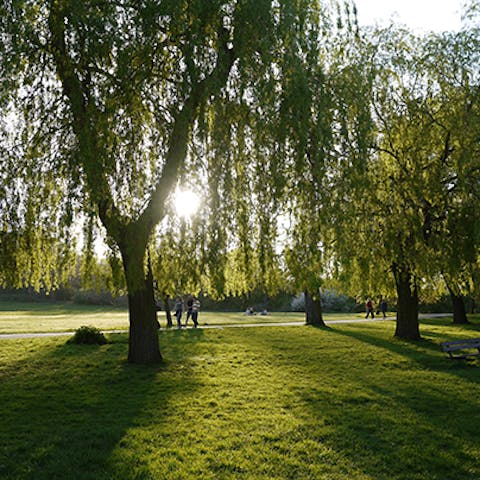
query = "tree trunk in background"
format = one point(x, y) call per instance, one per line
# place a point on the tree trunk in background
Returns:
point(459, 311)
point(407, 310)
point(313, 309)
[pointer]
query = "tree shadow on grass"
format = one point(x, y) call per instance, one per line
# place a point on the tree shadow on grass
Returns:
point(434, 419)
point(67, 408)
point(418, 435)
point(413, 415)
point(425, 352)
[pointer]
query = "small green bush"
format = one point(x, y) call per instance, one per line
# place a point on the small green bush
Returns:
point(88, 335)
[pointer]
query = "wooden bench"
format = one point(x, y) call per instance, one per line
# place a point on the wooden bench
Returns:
point(461, 349)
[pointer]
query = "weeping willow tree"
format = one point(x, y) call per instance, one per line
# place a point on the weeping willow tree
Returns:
point(266, 164)
point(325, 122)
point(458, 113)
point(422, 174)
point(116, 99)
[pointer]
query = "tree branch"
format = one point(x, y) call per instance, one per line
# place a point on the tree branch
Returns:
point(183, 122)
point(83, 122)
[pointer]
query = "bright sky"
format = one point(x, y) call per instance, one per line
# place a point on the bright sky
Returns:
point(437, 15)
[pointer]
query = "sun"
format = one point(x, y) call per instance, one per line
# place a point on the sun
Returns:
point(186, 202)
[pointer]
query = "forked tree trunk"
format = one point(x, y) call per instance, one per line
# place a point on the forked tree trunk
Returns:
point(313, 309)
point(407, 326)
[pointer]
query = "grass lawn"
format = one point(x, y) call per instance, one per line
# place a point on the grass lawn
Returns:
point(32, 317)
point(346, 402)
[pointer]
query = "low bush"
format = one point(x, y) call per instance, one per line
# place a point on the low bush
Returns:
point(331, 302)
point(88, 335)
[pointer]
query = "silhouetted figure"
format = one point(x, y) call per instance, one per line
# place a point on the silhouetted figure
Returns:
point(369, 308)
point(382, 307)
point(190, 311)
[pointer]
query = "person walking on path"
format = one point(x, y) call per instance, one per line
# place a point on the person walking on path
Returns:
point(369, 308)
point(383, 307)
point(189, 309)
point(178, 311)
point(195, 310)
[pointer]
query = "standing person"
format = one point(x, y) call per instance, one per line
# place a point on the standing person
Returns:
point(195, 310)
point(369, 308)
point(189, 310)
point(178, 311)
point(383, 307)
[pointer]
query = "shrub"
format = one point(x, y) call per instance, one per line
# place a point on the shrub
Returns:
point(331, 302)
point(298, 303)
point(337, 302)
point(88, 335)
point(93, 297)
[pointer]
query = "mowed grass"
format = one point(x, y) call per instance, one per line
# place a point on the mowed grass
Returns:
point(32, 317)
point(345, 402)
point(17, 317)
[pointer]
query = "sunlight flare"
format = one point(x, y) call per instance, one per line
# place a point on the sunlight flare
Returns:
point(186, 202)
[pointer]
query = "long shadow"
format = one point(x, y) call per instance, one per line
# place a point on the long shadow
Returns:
point(439, 412)
point(425, 352)
point(66, 410)
point(412, 429)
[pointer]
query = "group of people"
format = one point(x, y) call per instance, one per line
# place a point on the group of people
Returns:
point(370, 307)
point(252, 311)
point(192, 307)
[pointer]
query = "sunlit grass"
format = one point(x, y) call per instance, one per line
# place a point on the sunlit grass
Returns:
point(45, 317)
point(344, 402)
point(56, 317)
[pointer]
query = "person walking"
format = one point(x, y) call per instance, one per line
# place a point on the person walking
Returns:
point(369, 308)
point(383, 307)
point(195, 310)
point(178, 311)
point(189, 309)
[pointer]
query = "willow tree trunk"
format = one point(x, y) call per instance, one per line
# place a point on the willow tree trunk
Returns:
point(313, 309)
point(459, 311)
point(407, 326)
point(143, 345)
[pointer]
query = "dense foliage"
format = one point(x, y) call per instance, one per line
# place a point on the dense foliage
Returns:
point(325, 155)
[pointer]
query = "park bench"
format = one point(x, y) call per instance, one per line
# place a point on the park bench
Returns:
point(461, 349)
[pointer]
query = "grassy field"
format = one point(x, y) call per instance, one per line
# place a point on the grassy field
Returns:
point(45, 317)
point(345, 402)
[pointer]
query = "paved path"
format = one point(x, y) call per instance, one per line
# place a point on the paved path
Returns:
point(12, 336)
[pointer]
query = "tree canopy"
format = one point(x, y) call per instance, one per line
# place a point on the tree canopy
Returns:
point(281, 113)
point(116, 102)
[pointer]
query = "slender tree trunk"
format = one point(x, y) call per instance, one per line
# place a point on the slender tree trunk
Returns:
point(313, 309)
point(143, 345)
point(407, 312)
